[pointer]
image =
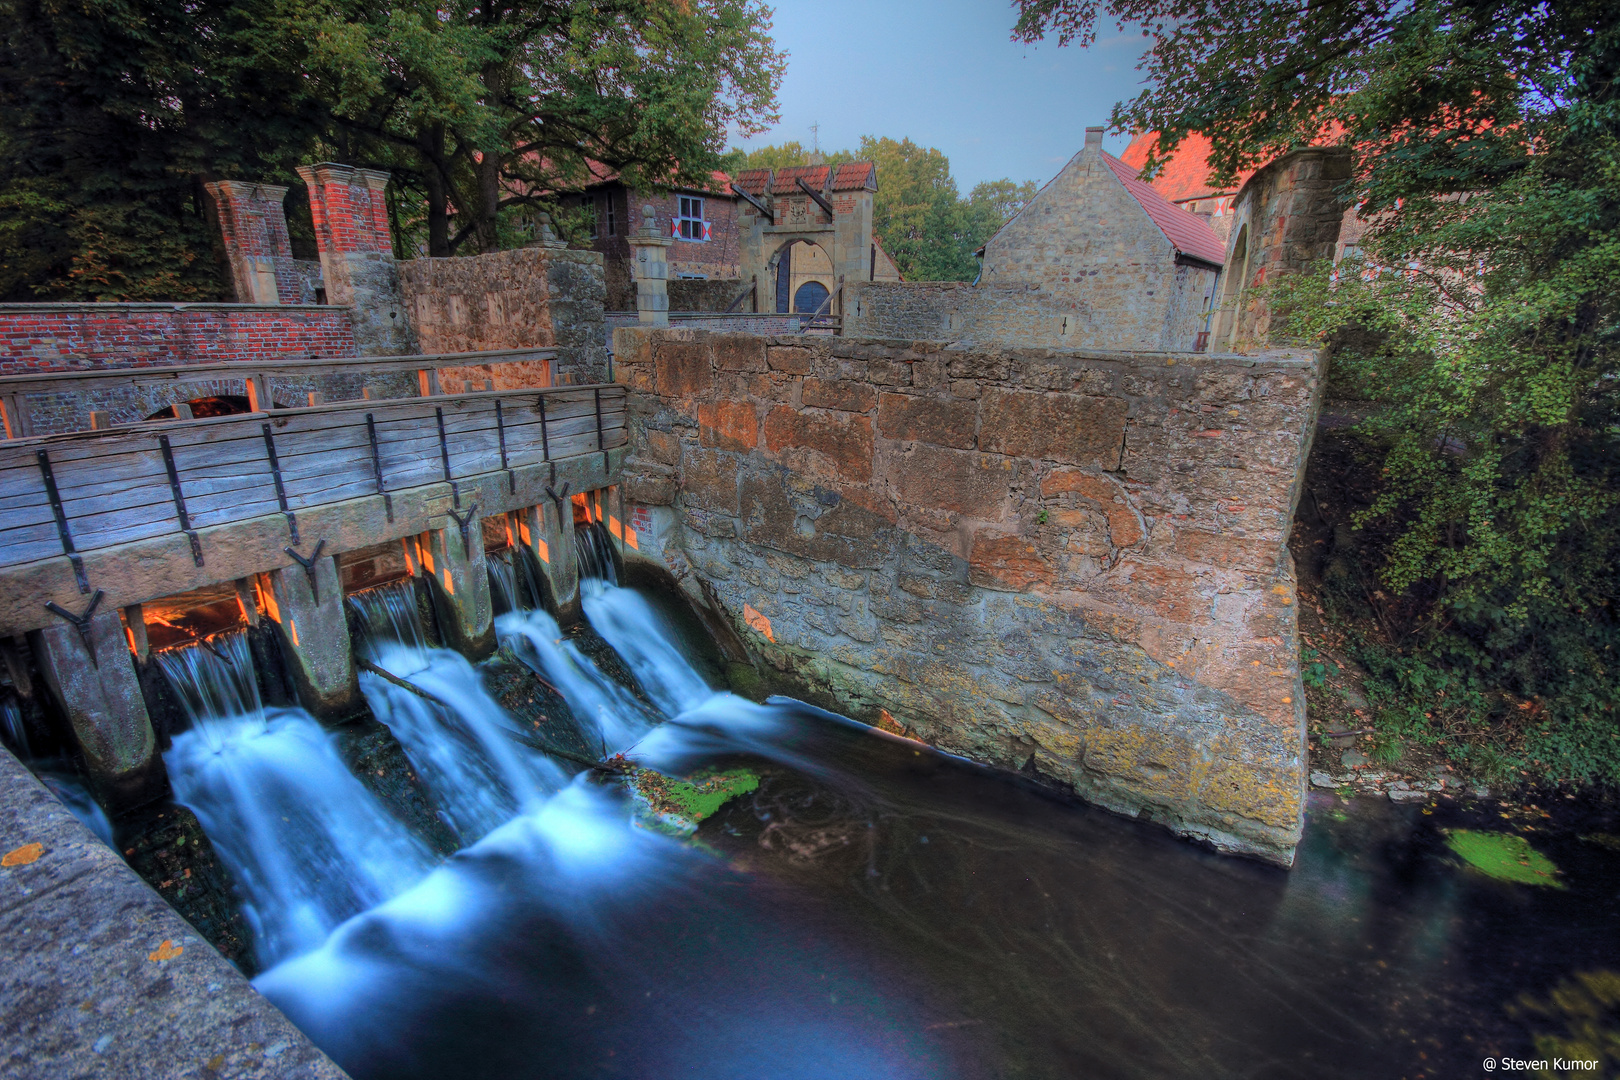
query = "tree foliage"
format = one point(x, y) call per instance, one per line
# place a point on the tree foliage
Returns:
point(919, 215)
point(1484, 315)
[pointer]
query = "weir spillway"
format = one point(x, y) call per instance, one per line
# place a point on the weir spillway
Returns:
point(96, 523)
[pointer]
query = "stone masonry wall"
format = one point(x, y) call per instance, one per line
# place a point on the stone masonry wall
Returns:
point(531, 297)
point(1071, 564)
point(36, 338)
point(697, 294)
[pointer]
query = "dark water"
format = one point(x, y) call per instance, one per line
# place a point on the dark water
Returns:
point(879, 910)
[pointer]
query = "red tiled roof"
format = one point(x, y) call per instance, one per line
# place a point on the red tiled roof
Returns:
point(753, 181)
point(1190, 233)
point(850, 176)
point(718, 183)
point(855, 176)
point(1186, 175)
point(813, 175)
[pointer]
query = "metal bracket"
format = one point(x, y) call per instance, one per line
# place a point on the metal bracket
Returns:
point(545, 440)
point(599, 446)
point(60, 514)
point(309, 568)
point(281, 491)
point(80, 622)
point(180, 500)
point(462, 523)
point(376, 466)
point(558, 497)
point(444, 456)
point(500, 430)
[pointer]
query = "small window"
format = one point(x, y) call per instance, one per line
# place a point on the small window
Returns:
point(689, 223)
point(612, 221)
point(596, 218)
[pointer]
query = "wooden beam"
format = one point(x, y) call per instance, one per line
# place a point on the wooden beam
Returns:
point(756, 204)
point(15, 408)
point(816, 195)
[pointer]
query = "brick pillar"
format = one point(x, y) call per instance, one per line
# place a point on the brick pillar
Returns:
point(314, 635)
point(254, 224)
point(97, 688)
point(460, 585)
point(357, 255)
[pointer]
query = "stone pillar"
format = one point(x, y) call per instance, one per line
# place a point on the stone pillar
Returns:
point(98, 690)
point(254, 225)
point(357, 255)
point(453, 560)
point(652, 270)
point(563, 568)
point(314, 635)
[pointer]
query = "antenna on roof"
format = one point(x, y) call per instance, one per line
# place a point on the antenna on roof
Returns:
point(815, 143)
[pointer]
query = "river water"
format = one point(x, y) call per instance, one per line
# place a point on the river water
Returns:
point(873, 909)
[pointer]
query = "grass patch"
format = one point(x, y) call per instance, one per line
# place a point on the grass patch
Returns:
point(693, 799)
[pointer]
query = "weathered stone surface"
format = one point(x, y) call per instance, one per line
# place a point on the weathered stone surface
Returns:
point(453, 561)
point(1057, 427)
point(102, 978)
point(739, 352)
point(684, 368)
point(958, 481)
point(1127, 633)
point(939, 421)
point(791, 360)
point(844, 441)
point(314, 635)
point(728, 425)
point(838, 394)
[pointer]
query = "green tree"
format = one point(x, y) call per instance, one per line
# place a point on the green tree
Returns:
point(482, 109)
point(1486, 140)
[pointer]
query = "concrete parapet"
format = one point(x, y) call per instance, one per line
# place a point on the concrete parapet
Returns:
point(102, 978)
point(307, 607)
point(92, 677)
point(452, 558)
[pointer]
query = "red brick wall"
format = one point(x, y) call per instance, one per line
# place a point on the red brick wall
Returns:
point(68, 337)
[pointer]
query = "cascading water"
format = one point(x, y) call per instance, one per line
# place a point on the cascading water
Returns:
point(460, 741)
point(12, 732)
point(308, 845)
point(594, 550)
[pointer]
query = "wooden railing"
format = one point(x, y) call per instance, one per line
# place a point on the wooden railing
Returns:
point(257, 377)
point(81, 491)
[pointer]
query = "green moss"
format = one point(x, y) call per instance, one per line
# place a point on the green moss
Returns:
point(683, 804)
point(1504, 857)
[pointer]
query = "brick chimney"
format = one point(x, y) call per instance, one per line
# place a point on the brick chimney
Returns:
point(254, 225)
point(357, 254)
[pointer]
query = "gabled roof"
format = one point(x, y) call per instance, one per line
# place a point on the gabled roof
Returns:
point(718, 183)
point(1190, 234)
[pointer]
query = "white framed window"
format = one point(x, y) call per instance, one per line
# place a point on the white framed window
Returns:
point(688, 223)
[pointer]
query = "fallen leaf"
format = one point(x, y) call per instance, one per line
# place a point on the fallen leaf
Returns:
point(166, 951)
point(22, 856)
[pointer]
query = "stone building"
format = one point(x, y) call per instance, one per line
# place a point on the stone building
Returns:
point(1098, 259)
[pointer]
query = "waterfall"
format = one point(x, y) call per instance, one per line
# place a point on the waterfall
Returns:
point(76, 797)
point(503, 581)
point(594, 550)
point(12, 731)
point(459, 740)
point(610, 715)
point(308, 845)
point(640, 635)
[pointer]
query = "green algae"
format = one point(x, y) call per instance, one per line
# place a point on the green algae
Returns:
point(1504, 857)
point(681, 805)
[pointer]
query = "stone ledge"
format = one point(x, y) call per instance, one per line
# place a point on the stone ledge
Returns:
point(103, 979)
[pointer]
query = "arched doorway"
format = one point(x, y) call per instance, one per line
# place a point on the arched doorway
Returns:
point(217, 405)
point(802, 272)
point(809, 297)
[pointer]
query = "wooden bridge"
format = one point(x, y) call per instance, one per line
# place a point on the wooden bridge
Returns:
point(95, 523)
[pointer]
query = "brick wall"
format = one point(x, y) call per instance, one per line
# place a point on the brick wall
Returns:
point(531, 297)
point(1072, 564)
point(70, 337)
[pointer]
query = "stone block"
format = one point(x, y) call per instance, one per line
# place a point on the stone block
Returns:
point(1066, 428)
point(1234, 552)
point(684, 368)
point(650, 489)
point(791, 360)
point(942, 422)
point(835, 394)
point(843, 441)
point(100, 693)
point(728, 425)
point(454, 563)
point(1007, 562)
point(709, 479)
point(958, 481)
point(314, 635)
point(663, 447)
point(1124, 524)
point(738, 352)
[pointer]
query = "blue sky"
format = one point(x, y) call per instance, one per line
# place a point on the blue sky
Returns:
point(946, 74)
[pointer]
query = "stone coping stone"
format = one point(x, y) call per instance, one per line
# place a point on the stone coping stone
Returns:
point(102, 979)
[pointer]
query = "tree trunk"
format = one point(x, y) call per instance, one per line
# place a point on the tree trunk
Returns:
point(489, 201)
point(438, 217)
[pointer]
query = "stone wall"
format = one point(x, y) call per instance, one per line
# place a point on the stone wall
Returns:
point(1072, 564)
point(37, 338)
point(1286, 217)
point(532, 297)
point(697, 294)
